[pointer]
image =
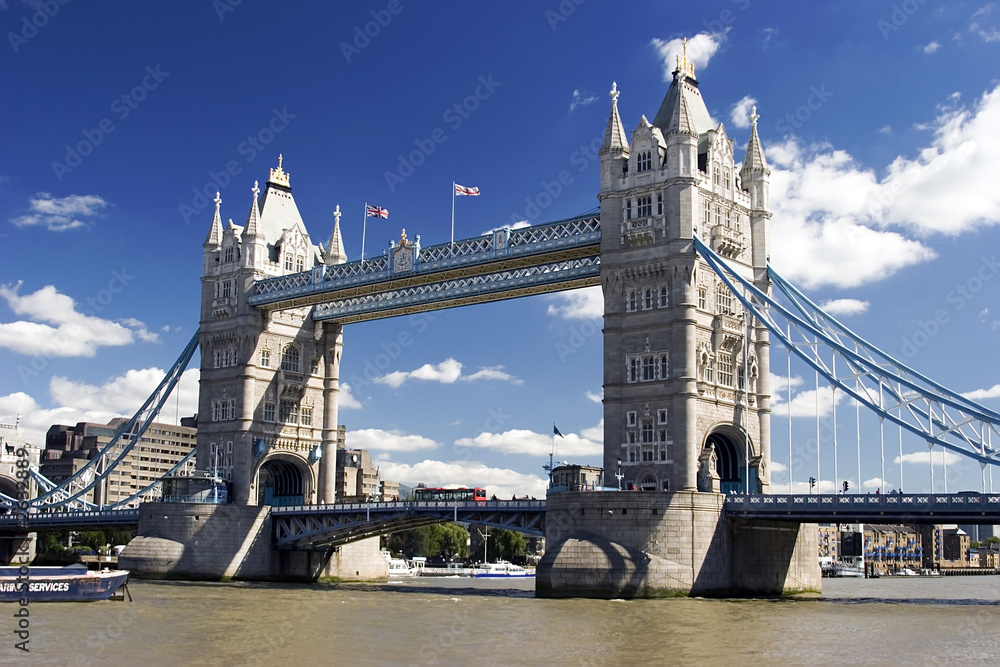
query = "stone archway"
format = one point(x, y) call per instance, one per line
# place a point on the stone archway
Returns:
point(284, 479)
point(730, 452)
point(646, 481)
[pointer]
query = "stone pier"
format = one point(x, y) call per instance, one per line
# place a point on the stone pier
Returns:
point(224, 542)
point(640, 544)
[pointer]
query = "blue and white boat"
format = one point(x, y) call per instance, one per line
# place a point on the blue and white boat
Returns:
point(500, 569)
point(72, 583)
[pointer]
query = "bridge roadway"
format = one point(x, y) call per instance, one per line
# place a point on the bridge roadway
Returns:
point(311, 526)
point(916, 508)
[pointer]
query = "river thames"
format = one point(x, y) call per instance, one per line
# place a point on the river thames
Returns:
point(451, 621)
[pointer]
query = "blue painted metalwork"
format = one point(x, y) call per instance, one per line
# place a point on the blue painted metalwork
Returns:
point(475, 255)
point(920, 508)
point(317, 526)
point(881, 383)
point(69, 520)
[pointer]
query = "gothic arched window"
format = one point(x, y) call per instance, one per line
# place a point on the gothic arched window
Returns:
point(290, 359)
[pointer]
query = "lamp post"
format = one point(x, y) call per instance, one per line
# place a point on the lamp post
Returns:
point(619, 476)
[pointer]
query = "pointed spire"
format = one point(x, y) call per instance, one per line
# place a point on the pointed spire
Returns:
point(215, 232)
point(252, 228)
point(754, 160)
point(614, 134)
point(680, 120)
point(279, 176)
point(335, 249)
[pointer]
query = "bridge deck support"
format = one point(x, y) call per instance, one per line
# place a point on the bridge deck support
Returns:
point(222, 542)
point(646, 544)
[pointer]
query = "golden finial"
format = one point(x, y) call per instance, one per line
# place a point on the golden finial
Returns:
point(402, 239)
point(279, 176)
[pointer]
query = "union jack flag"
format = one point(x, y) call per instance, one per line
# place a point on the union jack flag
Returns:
point(376, 212)
point(462, 190)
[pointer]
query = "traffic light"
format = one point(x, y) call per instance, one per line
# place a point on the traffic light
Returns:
point(812, 483)
point(846, 486)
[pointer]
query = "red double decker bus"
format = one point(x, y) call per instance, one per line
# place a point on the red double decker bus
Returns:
point(436, 494)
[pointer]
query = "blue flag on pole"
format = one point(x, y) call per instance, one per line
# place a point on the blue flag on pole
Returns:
point(555, 431)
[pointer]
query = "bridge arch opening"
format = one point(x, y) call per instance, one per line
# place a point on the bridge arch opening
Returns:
point(8, 486)
point(283, 480)
point(730, 452)
point(646, 481)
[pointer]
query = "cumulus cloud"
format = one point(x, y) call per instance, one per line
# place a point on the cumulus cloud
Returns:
point(74, 334)
point(523, 441)
point(596, 398)
point(845, 306)
point(983, 24)
point(932, 47)
point(447, 372)
point(980, 394)
point(581, 98)
point(346, 399)
point(740, 114)
point(579, 304)
point(940, 456)
point(502, 482)
point(60, 214)
point(804, 403)
point(700, 50)
point(120, 396)
point(377, 440)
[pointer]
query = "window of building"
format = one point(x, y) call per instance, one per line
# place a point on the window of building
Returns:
point(659, 203)
point(630, 418)
point(663, 366)
point(663, 296)
point(227, 255)
point(645, 207)
point(289, 412)
point(314, 366)
point(288, 262)
point(307, 417)
point(702, 298)
point(724, 300)
point(299, 264)
point(648, 368)
point(628, 209)
point(647, 431)
point(718, 215)
point(644, 161)
point(265, 358)
point(223, 409)
point(725, 178)
point(290, 359)
point(740, 380)
point(631, 305)
point(729, 219)
point(708, 213)
point(715, 173)
point(725, 369)
point(661, 417)
point(269, 412)
point(647, 299)
point(633, 369)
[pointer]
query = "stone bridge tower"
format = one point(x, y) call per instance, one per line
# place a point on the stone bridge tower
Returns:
point(686, 396)
point(267, 413)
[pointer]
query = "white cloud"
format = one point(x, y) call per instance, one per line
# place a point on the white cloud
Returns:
point(346, 399)
point(59, 215)
point(845, 306)
point(501, 482)
point(874, 483)
point(980, 394)
point(120, 396)
point(932, 47)
point(885, 129)
point(804, 402)
point(940, 456)
point(596, 398)
point(447, 372)
point(375, 439)
point(581, 98)
point(700, 50)
point(768, 34)
point(988, 33)
point(579, 304)
point(520, 224)
point(740, 114)
point(523, 441)
point(76, 334)
point(837, 223)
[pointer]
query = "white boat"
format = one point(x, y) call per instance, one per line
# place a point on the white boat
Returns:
point(500, 569)
point(399, 567)
point(905, 572)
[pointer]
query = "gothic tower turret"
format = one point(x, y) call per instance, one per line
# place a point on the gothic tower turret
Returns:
point(681, 364)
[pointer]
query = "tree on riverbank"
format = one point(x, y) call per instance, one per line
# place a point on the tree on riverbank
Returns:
point(447, 539)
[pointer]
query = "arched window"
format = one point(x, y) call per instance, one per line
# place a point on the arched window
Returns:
point(228, 254)
point(723, 300)
point(288, 262)
point(299, 264)
point(290, 359)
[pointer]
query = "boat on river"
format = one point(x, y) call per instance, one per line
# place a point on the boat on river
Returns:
point(398, 567)
point(72, 583)
point(500, 569)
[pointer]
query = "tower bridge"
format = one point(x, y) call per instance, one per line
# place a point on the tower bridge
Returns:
point(680, 248)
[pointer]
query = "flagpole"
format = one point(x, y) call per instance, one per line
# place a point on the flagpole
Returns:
point(453, 216)
point(364, 226)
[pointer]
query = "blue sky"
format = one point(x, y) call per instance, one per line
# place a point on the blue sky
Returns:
point(881, 122)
